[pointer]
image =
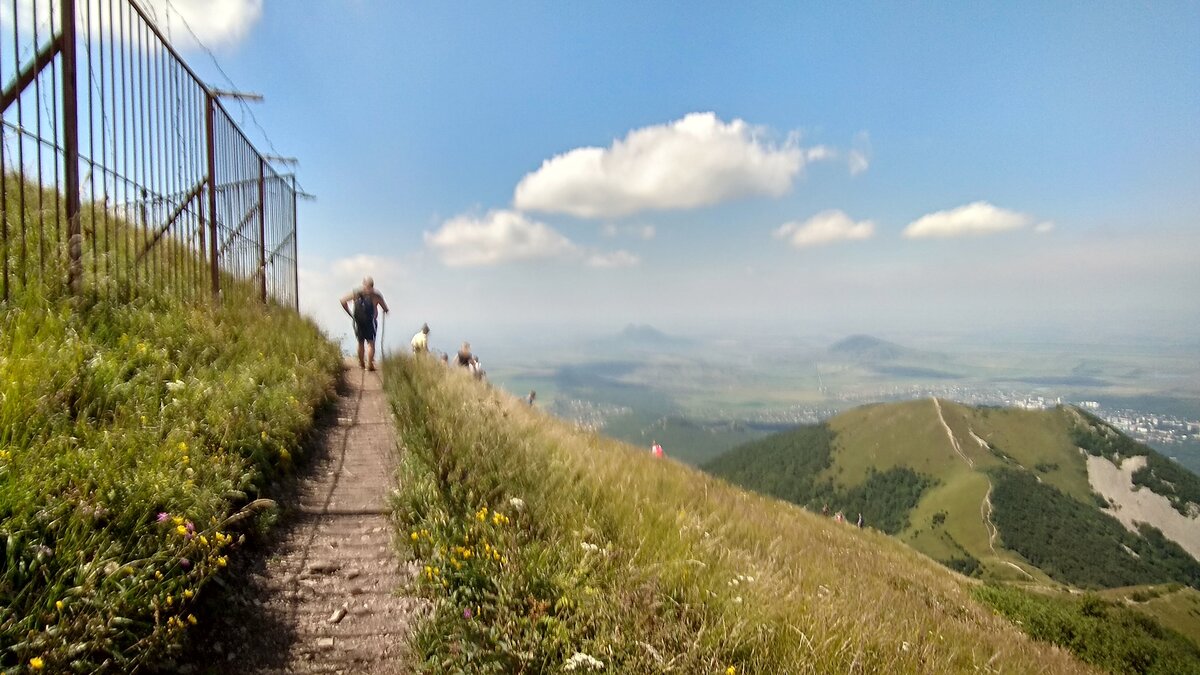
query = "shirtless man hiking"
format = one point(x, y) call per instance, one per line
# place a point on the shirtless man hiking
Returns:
point(365, 300)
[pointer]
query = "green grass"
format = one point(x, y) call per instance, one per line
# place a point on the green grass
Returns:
point(1107, 634)
point(536, 543)
point(1173, 605)
point(888, 435)
point(135, 434)
point(112, 414)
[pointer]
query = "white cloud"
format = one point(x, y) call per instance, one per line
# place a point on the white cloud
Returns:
point(498, 237)
point(644, 232)
point(1043, 227)
point(826, 227)
point(820, 153)
point(977, 218)
point(611, 260)
point(692, 162)
point(214, 22)
point(859, 157)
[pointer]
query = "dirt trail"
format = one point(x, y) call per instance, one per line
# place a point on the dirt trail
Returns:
point(950, 434)
point(326, 597)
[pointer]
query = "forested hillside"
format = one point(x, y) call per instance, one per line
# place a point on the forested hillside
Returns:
point(1000, 494)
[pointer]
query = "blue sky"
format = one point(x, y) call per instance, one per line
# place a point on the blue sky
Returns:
point(934, 168)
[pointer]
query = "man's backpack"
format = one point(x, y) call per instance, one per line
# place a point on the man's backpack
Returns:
point(364, 308)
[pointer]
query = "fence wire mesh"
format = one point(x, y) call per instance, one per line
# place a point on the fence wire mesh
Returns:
point(123, 170)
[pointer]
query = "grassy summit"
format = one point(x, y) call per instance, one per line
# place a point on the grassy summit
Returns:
point(1002, 494)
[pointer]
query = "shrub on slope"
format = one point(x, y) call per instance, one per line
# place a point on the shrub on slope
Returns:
point(1076, 543)
point(128, 434)
point(787, 465)
point(546, 549)
point(1111, 636)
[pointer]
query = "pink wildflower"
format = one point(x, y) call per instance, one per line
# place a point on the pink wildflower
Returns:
point(163, 517)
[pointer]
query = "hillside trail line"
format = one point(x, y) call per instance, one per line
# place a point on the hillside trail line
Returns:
point(985, 507)
point(327, 597)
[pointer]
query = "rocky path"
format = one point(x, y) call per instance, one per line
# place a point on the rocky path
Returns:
point(327, 597)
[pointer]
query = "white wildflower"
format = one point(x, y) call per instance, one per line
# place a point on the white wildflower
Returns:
point(581, 661)
point(175, 386)
point(517, 503)
point(590, 548)
point(905, 646)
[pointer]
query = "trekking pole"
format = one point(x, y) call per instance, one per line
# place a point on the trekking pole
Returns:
point(382, 334)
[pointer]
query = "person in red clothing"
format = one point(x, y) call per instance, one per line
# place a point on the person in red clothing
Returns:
point(656, 450)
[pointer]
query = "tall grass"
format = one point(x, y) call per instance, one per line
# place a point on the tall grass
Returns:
point(130, 432)
point(546, 549)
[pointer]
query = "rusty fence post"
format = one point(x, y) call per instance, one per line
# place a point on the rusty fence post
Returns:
point(262, 230)
point(70, 103)
point(295, 248)
point(210, 114)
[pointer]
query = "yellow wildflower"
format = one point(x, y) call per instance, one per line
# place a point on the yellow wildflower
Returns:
point(182, 446)
point(158, 575)
point(414, 536)
point(192, 619)
point(731, 671)
point(203, 540)
point(170, 601)
point(58, 604)
point(36, 663)
point(221, 561)
point(188, 593)
point(180, 530)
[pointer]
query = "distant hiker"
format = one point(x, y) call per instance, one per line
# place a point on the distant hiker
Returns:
point(838, 517)
point(656, 450)
point(365, 300)
point(531, 397)
point(420, 341)
point(825, 510)
point(476, 368)
point(860, 521)
point(445, 359)
point(465, 358)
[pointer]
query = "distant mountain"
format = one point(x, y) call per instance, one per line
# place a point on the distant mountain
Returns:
point(644, 334)
point(868, 348)
point(641, 337)
point(996, 493)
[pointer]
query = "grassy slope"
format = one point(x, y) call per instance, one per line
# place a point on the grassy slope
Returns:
point(910, 434)
point(1176, 607)
point(118, 412)
point(661, 592)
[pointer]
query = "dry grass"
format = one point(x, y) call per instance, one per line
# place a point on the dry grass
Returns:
point(692, 575)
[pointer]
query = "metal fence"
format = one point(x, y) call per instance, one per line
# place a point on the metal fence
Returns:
point(122, 169)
